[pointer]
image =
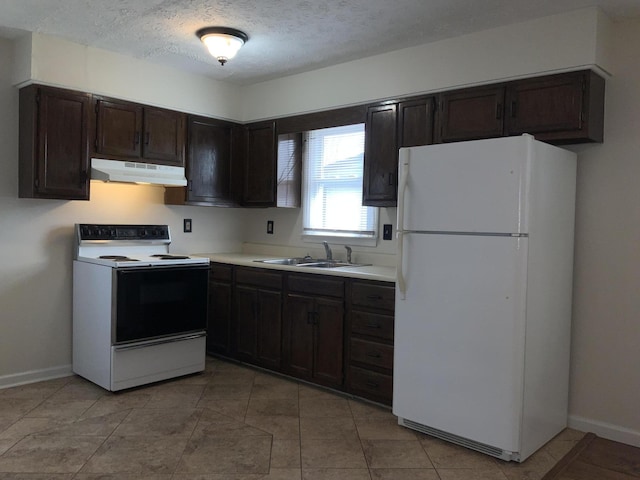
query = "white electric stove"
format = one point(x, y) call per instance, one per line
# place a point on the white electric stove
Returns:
point(139, 311)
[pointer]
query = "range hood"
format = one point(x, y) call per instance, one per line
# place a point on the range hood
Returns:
point(134, 172)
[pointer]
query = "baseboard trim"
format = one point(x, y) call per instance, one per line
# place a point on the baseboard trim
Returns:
point(32, 376)
point(606, 430)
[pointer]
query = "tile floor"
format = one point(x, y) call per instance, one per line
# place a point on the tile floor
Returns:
point(231, 423)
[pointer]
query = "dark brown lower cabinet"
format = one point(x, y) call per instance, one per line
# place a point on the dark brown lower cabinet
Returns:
point(370, 324)
point(313, 332)
point(258, 317)
point(219, 322)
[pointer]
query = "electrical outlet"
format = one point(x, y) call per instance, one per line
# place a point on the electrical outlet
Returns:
point(386, 231)
point(270, 227)
point(186, 225)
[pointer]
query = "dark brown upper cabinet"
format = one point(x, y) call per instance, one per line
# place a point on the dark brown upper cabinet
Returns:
point(471, 114)
point(563, 108)
point(129, 131)
point(380, 156)
point(54, 147)
point(388, 127)
point(260, 165)
point(210, 168)
point(415, 122)
point(164, 136)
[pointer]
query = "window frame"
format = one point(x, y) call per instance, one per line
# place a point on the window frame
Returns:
point(319, 236)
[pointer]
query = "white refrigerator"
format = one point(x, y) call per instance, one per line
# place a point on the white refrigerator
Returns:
point(483, 295)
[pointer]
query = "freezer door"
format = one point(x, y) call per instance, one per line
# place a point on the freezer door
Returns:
point(477, 186)
point(459, 336)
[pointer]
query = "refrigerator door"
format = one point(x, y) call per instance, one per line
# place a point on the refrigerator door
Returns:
point(478, 186)
point(459, 336)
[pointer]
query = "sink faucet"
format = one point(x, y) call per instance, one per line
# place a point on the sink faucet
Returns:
point(327, 249)
point(348, 253)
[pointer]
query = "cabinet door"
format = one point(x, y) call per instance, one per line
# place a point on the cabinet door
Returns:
point(164, 136)
point(380, 157)
point(415, 122)
point(219, 323)
point(208, 165)
point(472, 113)
point(298, 335)
point(119, 129)
point(246, 322)
point(60, 152)
point(555, 107)
point(328, 345)
point(260, 166)
point(269, 329)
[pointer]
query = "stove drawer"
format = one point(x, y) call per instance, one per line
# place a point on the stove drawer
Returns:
point(139, 364)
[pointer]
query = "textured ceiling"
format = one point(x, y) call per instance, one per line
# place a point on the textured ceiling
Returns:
point(285, 36)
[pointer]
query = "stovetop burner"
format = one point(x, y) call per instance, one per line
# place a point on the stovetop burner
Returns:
point(167, 256)
point(118, 258)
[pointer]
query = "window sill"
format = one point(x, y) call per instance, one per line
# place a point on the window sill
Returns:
point(341, 240)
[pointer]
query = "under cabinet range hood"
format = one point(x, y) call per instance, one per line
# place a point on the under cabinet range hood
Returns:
point(135, 172)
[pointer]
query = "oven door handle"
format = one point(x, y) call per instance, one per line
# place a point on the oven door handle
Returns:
point(121, 348)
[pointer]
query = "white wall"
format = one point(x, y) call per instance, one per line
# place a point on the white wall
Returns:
point(605, 378)
point(54, 61)
point(560, 42)
point(36, 248)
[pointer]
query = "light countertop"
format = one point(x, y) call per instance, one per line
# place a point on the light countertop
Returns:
point(371, 272)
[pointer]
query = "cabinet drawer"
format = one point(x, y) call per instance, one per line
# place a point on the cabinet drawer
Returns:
point(221, 272)
point(372, 295)
point(316, 285)
point(372, 353)
point(372, 324)
point(376, 386)
point(260, 278)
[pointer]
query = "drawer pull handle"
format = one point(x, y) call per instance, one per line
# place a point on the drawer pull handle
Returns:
point(374, 297)
point(370, 383)
point(373, 325)
point(374, 355)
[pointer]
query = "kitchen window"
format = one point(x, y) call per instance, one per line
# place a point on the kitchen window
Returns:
point(333, 162)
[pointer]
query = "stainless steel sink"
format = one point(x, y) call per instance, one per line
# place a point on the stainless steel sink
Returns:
point(289, 261)
point(310, 262)
point(332, 264)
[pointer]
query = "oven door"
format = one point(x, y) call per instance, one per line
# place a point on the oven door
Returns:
point(158, 302)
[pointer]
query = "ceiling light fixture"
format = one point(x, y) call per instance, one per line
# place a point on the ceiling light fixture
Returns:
point(223, 43)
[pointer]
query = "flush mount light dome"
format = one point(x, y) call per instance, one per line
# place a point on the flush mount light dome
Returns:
point(223, 43)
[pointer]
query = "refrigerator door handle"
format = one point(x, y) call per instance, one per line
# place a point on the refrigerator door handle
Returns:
point(403, 167)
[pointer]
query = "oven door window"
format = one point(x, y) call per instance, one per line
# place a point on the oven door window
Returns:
point(160, 302)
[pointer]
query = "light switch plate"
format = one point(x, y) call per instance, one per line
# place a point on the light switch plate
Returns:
point(387, 231)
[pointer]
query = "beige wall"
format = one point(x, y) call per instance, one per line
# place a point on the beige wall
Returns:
point(605, 378)
point(35, 277)
point(567, 41)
